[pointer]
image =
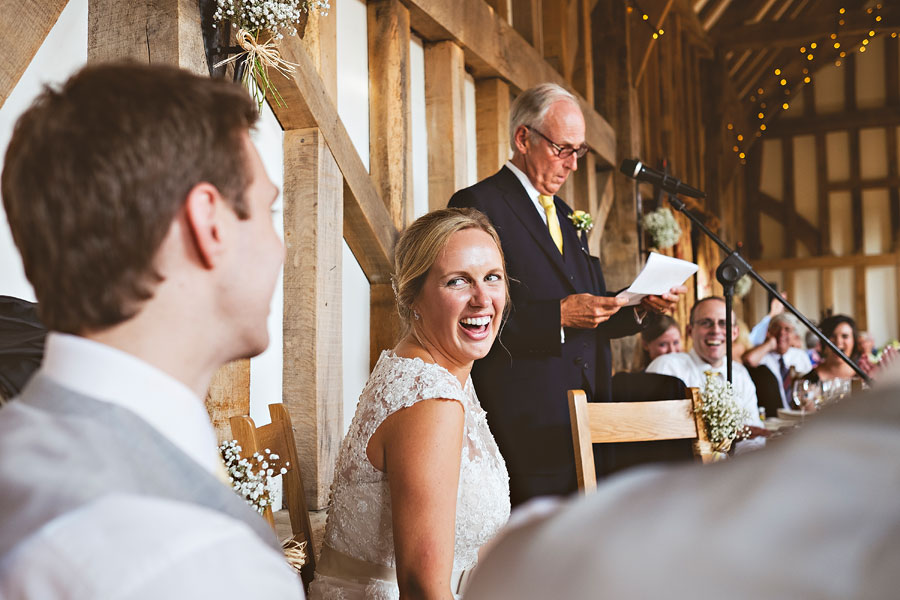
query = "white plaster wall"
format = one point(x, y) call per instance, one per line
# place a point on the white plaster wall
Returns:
point(836, 144)
point(419, 126)
point(266, 369)
point(873, 153)
point(63, 52)
point(843, 286)
point(876, 221)
point(829, 89)
point(870, 81)
point(841, 223)
point(770, 170)
point(881, 305)
point(807, 282)
point(471, 139)
point(352, 105)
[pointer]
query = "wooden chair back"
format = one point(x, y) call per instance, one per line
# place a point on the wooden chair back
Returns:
point(278, 437)
point(609, 422)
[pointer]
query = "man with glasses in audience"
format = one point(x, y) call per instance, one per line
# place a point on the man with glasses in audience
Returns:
point(558, 331)
point(707, 332)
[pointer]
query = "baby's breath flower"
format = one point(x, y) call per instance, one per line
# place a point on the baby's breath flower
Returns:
point(255, 486)
point(724, 419)
point(662, 227)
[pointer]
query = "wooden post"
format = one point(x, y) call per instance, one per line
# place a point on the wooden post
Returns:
point(390, 127)
point(491, 125)
point(445, 114)
point(390, 146)
point(503, 8)
point(583, 73)
point(24, 26)
point(617, 101)
point(859, 297)
point(312, 376)
point(528, 21)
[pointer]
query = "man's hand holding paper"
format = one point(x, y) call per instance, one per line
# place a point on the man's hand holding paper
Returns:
point(659, 285)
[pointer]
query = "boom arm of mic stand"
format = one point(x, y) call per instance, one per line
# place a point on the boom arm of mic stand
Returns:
point(679, 205)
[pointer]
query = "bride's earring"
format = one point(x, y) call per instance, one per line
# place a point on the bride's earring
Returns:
point(416, 315)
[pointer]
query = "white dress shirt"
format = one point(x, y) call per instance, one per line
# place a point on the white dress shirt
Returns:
point(532, 191)
point(691, 369)
point(794, 357)
point(138, 547)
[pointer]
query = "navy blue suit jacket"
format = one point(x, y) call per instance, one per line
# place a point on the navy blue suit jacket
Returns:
point(522, 382)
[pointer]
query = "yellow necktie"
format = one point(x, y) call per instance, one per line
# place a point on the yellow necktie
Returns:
point(552, 221)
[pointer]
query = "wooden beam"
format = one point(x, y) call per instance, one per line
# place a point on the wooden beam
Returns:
point(228, 396)
point(826, 289)
point(799, 229)
point(863, 118)
point(446, 119)
point(714, 13)
point(583, 74)
point(312, 371)
point(493, 49)
point(561, 33)
point(24, 26)
point(390, 125)
point(822, 195)
point(648, 44)
point(797, 32)
point(160, 32)
point(617, 99)
point(859, 298)
point(529, 22)
point(503, 8)
point(827, 262)
point(384, 322)
point(788, 204)
point(891, 181)
point(491, 125)
point(368, 228)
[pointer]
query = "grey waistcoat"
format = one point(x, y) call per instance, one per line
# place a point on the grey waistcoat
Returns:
point(60, 450)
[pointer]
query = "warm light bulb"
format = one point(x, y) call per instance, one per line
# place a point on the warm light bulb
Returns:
point(878, 18)
point(762, 127)
point(843, 54)
point(735, 148)
point(842, 11)
point(813, 45)
point(862, 48)
point(809, 57)
point(871, 33)
point(759, 91)
point(837, 45)
point(785, 106)
point(730, 126)
point(806, 79)
point(661, 32)
point(761, 116)
point(865, 42)
point(783, 82)
point(841, 22)
point(740, 138)
point(645, 17)
point(834, 36)
point(802, 49)
point(837, 63)
point(655, 35)
point(742, 155)
point(778, 71)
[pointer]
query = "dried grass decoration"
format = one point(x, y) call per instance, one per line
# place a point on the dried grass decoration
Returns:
point(260, 23)
point(723, 418)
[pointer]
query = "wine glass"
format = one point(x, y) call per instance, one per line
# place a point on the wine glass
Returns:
point(805, 395)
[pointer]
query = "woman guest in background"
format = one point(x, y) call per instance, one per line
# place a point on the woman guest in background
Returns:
point(661, 335)
point(841, 330)
point(419, 484)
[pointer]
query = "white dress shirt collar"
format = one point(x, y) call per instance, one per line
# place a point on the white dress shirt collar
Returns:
point(532, 191)
point(110, 375)
point(705, 366)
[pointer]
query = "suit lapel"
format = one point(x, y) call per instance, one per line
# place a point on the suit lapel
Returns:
point(522, 206)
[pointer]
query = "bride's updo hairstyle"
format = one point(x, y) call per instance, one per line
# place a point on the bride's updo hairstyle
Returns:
point(419, 246)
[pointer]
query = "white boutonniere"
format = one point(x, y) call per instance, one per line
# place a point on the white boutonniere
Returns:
point(581, 220)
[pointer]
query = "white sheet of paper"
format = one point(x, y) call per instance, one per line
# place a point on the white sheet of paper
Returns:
point(659, 275)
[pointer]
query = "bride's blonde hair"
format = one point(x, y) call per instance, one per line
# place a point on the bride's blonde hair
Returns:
point(419, 246)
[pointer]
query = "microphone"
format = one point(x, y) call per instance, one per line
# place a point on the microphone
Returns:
point(637, 170)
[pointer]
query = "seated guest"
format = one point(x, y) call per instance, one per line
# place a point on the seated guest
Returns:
point(841, 330)
point(780, 356)
point(707, 332)
point(661, 335)
point(419, 484)
point(813, 348)
point(773, 525)
point(142, 212)
point(742, 342)
point(757, 335)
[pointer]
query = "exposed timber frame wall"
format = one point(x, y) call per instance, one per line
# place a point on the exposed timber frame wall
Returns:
point(837, 215)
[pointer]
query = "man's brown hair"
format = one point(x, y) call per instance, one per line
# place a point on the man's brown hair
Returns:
point(96, 172)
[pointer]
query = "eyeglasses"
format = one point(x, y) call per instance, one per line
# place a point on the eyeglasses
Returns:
point(562, 151)
point(709, 323)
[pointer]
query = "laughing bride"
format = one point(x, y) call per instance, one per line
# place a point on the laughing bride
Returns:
point(419, 484)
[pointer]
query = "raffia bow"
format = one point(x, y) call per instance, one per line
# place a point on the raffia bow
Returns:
point(265, 53)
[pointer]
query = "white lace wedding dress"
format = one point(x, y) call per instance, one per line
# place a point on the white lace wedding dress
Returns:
point(359, 520)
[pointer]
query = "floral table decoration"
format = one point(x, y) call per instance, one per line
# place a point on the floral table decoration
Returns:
point(724, 419)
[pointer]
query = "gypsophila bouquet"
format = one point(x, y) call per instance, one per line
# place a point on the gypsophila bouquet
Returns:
point(259, 23)
point(252, 478)
point(723, 417)
point(582, 221)
point(662, 227)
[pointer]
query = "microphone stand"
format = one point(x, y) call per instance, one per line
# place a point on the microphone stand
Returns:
point(733, 268)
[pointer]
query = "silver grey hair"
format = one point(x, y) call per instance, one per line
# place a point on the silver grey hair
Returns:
point(787, 319)
point(531, 106)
